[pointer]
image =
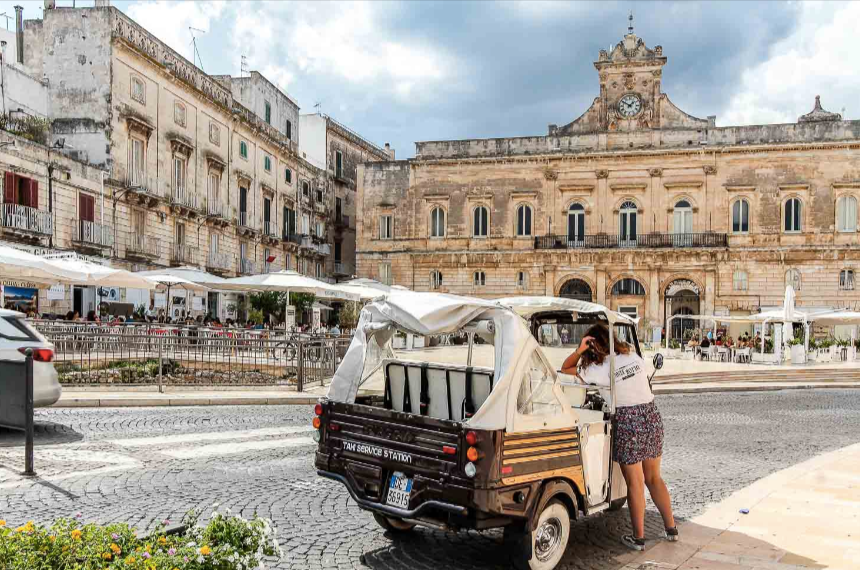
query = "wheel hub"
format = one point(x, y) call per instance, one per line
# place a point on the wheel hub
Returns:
point(547, 538)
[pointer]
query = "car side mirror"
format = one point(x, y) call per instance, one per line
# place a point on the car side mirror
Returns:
point(658, 361)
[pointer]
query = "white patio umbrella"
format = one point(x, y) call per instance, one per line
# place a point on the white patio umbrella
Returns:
point(167, 282)
point(17, 264)
point(788, 316)
point(95, 274)
point(189, 273)
point(364, 292)
point(287, 282)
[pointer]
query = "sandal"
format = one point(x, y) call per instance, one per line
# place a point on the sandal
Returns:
point(672, 534)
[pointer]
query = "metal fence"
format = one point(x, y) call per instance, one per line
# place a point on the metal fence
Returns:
point(150, 354)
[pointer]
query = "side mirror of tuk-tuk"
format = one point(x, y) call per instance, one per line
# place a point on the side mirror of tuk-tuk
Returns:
point(658, 361)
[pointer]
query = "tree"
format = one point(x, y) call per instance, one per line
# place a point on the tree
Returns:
point(272, 303)
point(349, 314)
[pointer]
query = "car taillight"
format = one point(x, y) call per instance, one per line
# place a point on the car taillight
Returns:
point(507, 470)
point(39, 354)
point(317, 423)
point(449, 450)
point(334, 427)
point(471, 438)
point(472, 454)
point(318, 409)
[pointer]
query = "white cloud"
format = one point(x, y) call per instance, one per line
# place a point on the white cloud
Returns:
point(346, 41)
point(818, 58)
point(169, 21)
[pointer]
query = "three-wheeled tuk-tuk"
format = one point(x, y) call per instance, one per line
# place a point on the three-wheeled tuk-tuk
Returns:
point(472, 447)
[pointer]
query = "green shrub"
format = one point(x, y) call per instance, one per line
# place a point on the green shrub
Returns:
point(225, 543)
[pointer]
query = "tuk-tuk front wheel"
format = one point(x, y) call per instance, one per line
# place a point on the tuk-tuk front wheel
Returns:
point(392, 525)
point(547, 542)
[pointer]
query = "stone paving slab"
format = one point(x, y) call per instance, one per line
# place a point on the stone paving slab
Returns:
point(803, 517)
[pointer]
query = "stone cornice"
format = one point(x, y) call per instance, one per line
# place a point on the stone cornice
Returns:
point(683, 184)
point(582, 188)
point(795, 187)
point(516, 194)
point(479, 197)
point(847, 184)
point(739, 188)
point(437, 198)
point(628, 187)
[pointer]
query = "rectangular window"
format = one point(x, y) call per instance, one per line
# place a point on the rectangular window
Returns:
point(179, 170)
point(338, 208)
point(267, 267)
point(289, 130)
point(306, 225)
point(213, 244)
point(138, 90)
point(846, 280)
point(319, 270)
point(306, 189)
point(319, 196)
point(179, 114)
point(337, 251)
point(267, 163)
point(386, 227)
point(243, 149)
point(86, 207)
point(385, 273)
point(338, 164)
point(214, 134)
point(320, 229)
point(214, 193)
point(630, 311)
point(268, 113)
point(138, 222)
point(740, 281)
point(138, 162)
point(180, 234)
point(288, 176)
point(480, 278)
point(287, 259)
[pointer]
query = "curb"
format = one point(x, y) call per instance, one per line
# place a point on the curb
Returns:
point(170, 402)
point(657, 390)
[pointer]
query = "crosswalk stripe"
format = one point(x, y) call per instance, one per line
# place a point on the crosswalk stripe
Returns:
point(210, 436)
point(234, 448)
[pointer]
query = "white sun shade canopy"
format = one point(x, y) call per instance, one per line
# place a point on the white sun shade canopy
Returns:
point(364, 292)
point(287, 281)
point(527, 306)
point(164, 282)
point(189, 273)
point(17, 264)
point(429, 314)
point(101, 275)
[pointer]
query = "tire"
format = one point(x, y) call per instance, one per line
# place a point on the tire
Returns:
point(394, 526)
point(547, 543)
point(617, 504)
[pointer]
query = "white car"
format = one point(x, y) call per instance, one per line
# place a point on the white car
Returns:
point(16, 336)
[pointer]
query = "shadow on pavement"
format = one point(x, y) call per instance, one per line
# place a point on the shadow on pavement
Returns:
point(45, 433)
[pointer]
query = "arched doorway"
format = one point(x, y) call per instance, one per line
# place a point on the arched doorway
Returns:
point(576, 289)
point(682, 297)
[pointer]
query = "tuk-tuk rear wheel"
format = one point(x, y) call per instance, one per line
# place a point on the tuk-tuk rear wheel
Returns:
point(546, 543)
point(392, 525)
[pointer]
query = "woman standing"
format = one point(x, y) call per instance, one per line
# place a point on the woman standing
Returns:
point(638, 445)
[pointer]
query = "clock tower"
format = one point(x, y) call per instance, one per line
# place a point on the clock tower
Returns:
point(630, 98)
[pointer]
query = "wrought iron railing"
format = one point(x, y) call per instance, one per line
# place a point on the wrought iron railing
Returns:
point(183, 253)
point(186, 198)
point(246, 220)
point(293, 238)
point(341, 268)
point(324, 249)
point(270, 229)
point(247, 267)
point(605, 241)
point(143, 245)
point(341, 221)
point(217, 260)
point(138, 181)
point(27, 219)
point(84, 231)
point(215, 208)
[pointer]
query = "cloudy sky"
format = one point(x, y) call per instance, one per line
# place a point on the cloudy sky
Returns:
point(404, 71)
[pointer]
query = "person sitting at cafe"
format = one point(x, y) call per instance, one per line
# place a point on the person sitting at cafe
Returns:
point(719, 341)
point(729, 342)
point(694, 341)
point(706, 343)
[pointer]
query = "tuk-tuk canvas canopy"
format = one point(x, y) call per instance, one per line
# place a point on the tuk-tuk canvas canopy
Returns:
point(433, 314)
point(526, 306)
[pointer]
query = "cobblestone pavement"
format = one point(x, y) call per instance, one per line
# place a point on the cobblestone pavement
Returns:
point(142, 465)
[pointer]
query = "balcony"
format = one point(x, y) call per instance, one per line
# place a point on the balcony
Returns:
point(320, 208)
point(644, 241)
point(142, 188)
point(270, 232)
point(218, 262)
point(25, 222)
point(308, 243)
point(185, 203)
point(247, 224)
point(247, 267)
point(216, 212)
point(182, 255)
point(341, 222)
point(142, 247)
point(324, 249)
point(342, 269)
point(91, 236)
point(294, 239)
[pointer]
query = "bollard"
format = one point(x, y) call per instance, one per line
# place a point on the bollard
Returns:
point(28, 411)
point(160, 364)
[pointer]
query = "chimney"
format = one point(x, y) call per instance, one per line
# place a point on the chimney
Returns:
point(389, 151)
point(19, 33)
point(102, 3)
point(50, 4)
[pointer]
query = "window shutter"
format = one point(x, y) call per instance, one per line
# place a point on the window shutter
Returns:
point(9, 188)
point(34, 194)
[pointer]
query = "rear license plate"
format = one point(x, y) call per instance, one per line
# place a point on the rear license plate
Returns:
point(399, 490)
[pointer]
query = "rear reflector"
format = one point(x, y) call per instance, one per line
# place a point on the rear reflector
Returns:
point(334, 427)
point(448, 450)
point(507, 470)
point(471, 438)
point(316, 423)
point(318, 409)
point(472, 454)
point(39, 354)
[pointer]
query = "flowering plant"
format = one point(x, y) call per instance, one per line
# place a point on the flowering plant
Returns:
point(226, 542)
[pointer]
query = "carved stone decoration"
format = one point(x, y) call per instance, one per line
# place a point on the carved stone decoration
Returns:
point(179, 146)
point(710, 170)
point(602, 174)
point(629, 81)
point(818, 114)
point(216, 163)
point(657, 73)
point(549, 173)
point(655, 172)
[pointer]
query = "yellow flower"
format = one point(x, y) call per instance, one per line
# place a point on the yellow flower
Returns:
point(205, 551)
point(2, 522)
point(116, 549)
point(53, 538)
point(76, 534)
point(162, 540)
point(129, 560)
point(107, 555)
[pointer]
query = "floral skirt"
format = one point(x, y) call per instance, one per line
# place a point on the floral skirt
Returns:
point(638, 434)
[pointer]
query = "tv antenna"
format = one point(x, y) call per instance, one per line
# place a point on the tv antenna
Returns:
point(196, 53)
point(318, 106)
point(8, 17)
point(243, 67)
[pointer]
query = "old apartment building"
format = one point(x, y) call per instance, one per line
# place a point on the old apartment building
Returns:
point(201, 170)
point(635, 204)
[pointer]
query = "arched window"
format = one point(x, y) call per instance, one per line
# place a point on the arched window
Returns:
point(628, 286)
point(435, 279)
point(524, 220)
point(792, 215)
point(792, 277)
point(437, 222)
point(846, 214)
point(576, 289)
point(741, 217)
point(846, 280)
point(480, 221)
point(576, 223)
point(480, 278)
point(627, 224)
point(740, 281)
point(682, 218)
point(522, 280)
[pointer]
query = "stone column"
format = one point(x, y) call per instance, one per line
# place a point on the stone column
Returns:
point(710, 288)
point(600, 283)
point(549, 281)
point(602, 199)
point(654, 295)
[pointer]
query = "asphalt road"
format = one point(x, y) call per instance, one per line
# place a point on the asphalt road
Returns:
point(147, 464)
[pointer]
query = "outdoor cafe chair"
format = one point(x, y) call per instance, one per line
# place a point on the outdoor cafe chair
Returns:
point(722, 353)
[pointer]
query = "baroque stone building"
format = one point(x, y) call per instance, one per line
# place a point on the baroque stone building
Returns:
point(201, 170)
point(635, 204)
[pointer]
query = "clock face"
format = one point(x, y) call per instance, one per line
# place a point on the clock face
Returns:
point(629, 105)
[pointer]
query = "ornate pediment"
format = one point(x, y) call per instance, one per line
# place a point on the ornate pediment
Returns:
point(818, 114)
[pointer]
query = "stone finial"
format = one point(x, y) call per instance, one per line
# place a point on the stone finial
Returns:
point(819, 114)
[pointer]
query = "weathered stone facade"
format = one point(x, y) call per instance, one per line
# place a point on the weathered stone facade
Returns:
point(705, 219)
